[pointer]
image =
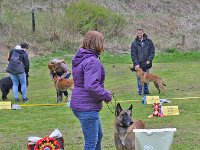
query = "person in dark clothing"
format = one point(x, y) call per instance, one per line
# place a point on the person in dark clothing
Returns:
point(18, 69)
point(142, 54)
point(89, 92)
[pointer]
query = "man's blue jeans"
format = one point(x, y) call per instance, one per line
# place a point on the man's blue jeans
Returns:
point(16, 79)
point(146, 86)
point(91, 128)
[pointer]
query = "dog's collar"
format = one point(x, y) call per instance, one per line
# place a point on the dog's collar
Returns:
point(123, 126)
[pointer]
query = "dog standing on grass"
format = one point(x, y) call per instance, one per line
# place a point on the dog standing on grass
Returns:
point(58, 67)
point(123, 128)
point(63, 84)
point(146, 77)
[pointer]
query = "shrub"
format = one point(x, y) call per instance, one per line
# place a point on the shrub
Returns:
point(84, 16)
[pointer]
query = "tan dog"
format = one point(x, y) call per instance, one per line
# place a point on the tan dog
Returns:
point(123, 135)
point(146, 77)
point(63, 84)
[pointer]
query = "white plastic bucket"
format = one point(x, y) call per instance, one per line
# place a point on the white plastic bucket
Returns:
point(154, 139)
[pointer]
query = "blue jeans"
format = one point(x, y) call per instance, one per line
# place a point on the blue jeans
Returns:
point(139, 85)
point(16, 79)
point(91, 128)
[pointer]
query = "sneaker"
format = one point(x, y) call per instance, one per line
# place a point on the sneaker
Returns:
point(59, 101)
point(25, 99)
point(140, 93)
point(16, 99)
point(147, 92)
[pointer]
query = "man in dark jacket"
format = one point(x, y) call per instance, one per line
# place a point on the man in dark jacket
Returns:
point(18, 68)
point(142, 54)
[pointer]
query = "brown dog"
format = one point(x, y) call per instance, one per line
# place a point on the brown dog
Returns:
point(146, 77)
point(123, 135)
point(63, 84)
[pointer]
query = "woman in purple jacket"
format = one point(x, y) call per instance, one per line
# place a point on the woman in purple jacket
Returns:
point(89, 93)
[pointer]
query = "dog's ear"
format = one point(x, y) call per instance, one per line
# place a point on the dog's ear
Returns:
point(118, 109)
point(130, 109)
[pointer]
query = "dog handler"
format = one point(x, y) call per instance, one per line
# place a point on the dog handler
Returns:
point(18, 68)
point(142, 54)
point(60, 68)
point(89, 93)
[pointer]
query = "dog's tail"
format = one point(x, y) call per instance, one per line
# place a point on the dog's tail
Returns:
point(164, 84)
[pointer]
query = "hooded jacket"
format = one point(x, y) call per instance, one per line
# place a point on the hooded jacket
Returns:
point(142, 51)
point(23, 62)
point(88, 75)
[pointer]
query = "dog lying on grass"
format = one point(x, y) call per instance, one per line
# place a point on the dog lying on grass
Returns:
point(63, 84)
point(6, 85)
point(123, 128)
point(146, 77)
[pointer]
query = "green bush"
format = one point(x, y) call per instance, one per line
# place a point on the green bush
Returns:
point(84, 16)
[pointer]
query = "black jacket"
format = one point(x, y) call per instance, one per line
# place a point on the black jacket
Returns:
point(21, 67)
point(142, 51)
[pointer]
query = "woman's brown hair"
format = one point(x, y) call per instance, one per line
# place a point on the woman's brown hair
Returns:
point(93, 40)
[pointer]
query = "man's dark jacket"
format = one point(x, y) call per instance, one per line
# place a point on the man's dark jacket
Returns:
point(142, 51)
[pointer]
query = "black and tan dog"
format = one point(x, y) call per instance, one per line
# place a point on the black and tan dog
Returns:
point(6, 85)
point(123, 135)
point(146, 77)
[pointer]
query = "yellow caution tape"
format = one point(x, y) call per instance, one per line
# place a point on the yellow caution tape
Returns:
point(186, 98)
point(31, 105)
point(123, 101)
point(181, 98)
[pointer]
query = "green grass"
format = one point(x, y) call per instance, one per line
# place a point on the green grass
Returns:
point(84, 16)
point(179, 71)
point(159, 58)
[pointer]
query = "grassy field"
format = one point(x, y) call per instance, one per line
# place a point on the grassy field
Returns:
point(179, 71)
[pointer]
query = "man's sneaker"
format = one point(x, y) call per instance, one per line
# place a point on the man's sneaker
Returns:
point(25, 99)
point(16, 99)
point(140, 93)
point(147, 92)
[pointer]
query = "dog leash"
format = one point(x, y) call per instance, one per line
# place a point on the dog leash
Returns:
point(114, 113)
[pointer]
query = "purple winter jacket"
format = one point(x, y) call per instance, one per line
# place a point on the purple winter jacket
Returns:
point(88, 75)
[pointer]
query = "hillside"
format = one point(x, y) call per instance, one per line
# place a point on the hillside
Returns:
point(165, 21)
